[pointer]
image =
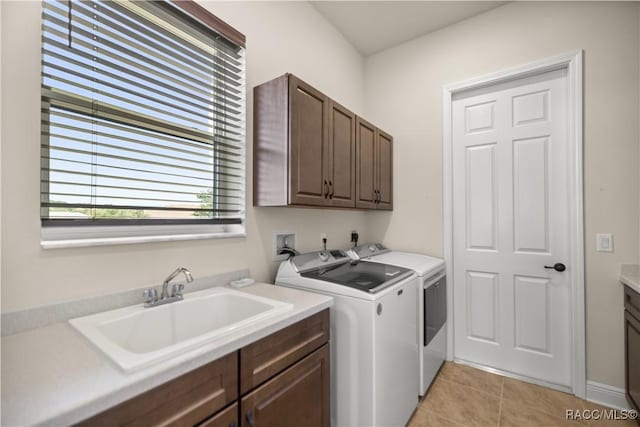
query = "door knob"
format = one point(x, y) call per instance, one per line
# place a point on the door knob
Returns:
point(557, 266)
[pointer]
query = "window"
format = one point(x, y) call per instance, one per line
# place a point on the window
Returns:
point(143, 131)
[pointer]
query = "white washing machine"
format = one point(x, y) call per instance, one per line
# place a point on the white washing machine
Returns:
point(431, 304)
point(374, 353)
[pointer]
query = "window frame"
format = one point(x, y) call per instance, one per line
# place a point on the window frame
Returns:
point(82, 232)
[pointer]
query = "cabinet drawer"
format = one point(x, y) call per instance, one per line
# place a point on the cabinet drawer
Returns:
point(186, 400)
point(298, 397)
point(265, 358)
point(632, 301)
point(225, 418)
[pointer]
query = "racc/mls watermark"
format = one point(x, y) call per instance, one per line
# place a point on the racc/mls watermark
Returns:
point(601, 414)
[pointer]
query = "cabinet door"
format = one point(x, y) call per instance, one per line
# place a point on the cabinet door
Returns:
point(225, 418)
point(384, 163)
point(365, 164)
point(298, 397)
point(632, 355)
point(308, 110)
point(341, 167)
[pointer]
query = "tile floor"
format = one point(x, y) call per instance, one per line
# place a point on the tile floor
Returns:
point(464, 396)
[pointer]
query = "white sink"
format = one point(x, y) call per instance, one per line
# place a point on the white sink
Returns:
point(135, 337)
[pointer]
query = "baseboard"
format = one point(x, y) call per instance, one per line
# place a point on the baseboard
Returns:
point(518, 377)
point(602, 394)
point(606, 395)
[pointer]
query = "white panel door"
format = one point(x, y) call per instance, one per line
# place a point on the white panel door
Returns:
point(511, 216)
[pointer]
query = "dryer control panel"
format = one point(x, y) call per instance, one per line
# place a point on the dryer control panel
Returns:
point(370, 249)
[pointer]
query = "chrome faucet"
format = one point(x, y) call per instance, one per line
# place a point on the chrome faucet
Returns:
point(151, 294)
point(165, 284)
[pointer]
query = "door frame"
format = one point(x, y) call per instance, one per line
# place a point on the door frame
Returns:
point(573, 63)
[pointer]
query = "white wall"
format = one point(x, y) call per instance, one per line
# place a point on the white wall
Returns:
point(281, 37)
point(403, 95)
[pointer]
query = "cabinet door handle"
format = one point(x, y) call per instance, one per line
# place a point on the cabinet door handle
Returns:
point(250, 418)
point(330, 189)
point(326, 189)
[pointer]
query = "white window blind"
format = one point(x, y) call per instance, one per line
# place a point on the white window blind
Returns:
point(142, 117)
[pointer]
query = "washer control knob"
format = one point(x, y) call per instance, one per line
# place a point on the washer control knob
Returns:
point(324, 256)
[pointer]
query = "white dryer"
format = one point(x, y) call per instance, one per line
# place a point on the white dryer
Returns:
point(431, 303)
point(374, 355)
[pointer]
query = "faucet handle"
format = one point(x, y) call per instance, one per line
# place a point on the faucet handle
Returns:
point(150, 295)
point(176, 290)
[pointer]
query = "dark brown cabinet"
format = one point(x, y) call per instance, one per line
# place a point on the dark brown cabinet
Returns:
point(281, 380)
point(632, 346)
point(299, 397)
point(366, 165)
point(374, 167)
point(265, 358)
point(304, 146)
point(308, 144)
point(384, 163)
point(342, 156)
point(225, 418)
point(305, 150)
point(186, 400)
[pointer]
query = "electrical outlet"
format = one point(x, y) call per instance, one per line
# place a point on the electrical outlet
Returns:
point(280, 240)
point(354, 237)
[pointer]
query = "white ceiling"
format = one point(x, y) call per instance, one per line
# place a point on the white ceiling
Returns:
point(372, 26)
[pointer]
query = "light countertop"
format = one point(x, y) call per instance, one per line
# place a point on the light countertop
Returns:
point(55, 376)
point(630, 276)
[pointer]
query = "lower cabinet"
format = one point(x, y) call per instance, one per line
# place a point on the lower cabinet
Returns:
point(225, 418)
point(298, 397)
point(632, 346)
point(281, 380)
point(186, 400)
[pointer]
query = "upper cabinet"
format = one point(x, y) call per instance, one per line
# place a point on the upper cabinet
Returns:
point(366, 165)
point(384, 163)
point(374, 167)
point(307, 151)
point(308, 145)
point(341, 166)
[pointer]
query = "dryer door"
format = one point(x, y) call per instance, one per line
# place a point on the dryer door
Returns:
point(435, 304)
